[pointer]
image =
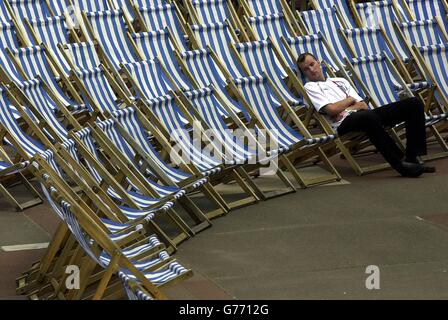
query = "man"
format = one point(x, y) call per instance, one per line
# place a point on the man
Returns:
point(347, 112)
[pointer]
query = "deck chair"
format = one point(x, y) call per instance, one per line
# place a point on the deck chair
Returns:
point(258, 94)
point(382, 13)
point(423, 33)
point(159, 44)
point(5, 16)
point(115, 46)
point(204, 68)
point(165, 16)
point(81, 55)
point(27, 9)
point(217, 36)
point(261, 57)
point(328, 22)
point(126, 6)
point(51, 32)
point(428, 9)
point(368, 41)
point(58, 8)
point(342, 7)
point(8, 39)
point(173, 114)
point(212, 11)
point(391, 88)
point(433, 61)
point(34, 61)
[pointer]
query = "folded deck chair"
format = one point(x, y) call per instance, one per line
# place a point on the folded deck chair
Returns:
point(205, 69)
point(423, 33)
point(212, 11)
point(428, 9)
point(328, 22)
point(434, 62)
point(165, 16)
point(261, 56)
point(8, 39)
point(385, 14)
point(260, 97)
point(159, 44)
point(52, 31)
point(218, 36)
point(342, 7)
point(34, 61)
point(391, 87)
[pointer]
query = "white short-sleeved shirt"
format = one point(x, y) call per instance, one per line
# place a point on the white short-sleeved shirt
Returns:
point(331, 90)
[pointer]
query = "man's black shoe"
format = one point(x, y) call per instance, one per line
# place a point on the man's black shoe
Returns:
point(426, 168)
point(409, 169)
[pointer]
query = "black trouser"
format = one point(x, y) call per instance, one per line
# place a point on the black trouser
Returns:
point(372, 123)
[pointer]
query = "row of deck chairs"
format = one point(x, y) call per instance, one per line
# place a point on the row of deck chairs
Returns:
point(96, 98)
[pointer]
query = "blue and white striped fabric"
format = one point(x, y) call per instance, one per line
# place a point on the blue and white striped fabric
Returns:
point(206, 73)
point(58, 7)
point(140, 265)
point(326, 22)
point(83, 55)
point(7, 118)
point(233, 150)
point(110, 30)
point(218, 36)
point(133, 290)
point(428, 9)
point(34, 62)
point(368, 41)
point(51, 31)
point(148, 3)
point(99, 90)
point(259, 96)
point(8, 39)
point(5, 16)
point(369, 70)
point(19, 167)
point(111, 131)
point(86, 139)
point(341, 5)
point(264, 7)
point(273, 26)
point(423, 33)
point(91, 5)
point(211, 11)
point(34, 91)
point(126, 6)
point(313, 44)
point(161, 17)
point(372, 14)
point(168, 113)
point(30, 9)
point(260, 57)
point(129, 119)
point(157, 44)
point(436, 57)
point(150, 78)
point(161, 276)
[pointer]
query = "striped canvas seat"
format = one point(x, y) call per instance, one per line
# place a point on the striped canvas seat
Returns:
point(264, 7)
point(211, 11)
point(92, 5)
point(428, 9)
point(260, 58)
point(373, 14)
point(218, 36)
point(51, 31)
point(164, 16)
point(342, 7)
point(82, 55)
point(157, 44)
point(5, 16)
point(109, 30)
point(34, 62)
point(326, 22)
point(423, 33)
point(8, 39)
point(205, 71)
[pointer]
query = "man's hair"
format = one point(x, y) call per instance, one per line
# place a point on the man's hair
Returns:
point(303, 56)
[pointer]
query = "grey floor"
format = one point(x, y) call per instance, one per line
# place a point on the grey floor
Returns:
point(313, 244)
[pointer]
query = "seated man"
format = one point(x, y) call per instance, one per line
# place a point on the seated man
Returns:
point(347, 112)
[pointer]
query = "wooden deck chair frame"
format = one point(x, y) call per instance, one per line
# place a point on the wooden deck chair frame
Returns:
point(20, 28)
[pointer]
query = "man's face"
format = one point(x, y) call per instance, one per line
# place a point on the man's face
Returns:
point(311, 69)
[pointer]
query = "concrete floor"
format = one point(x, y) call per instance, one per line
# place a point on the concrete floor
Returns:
point(313, 244)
